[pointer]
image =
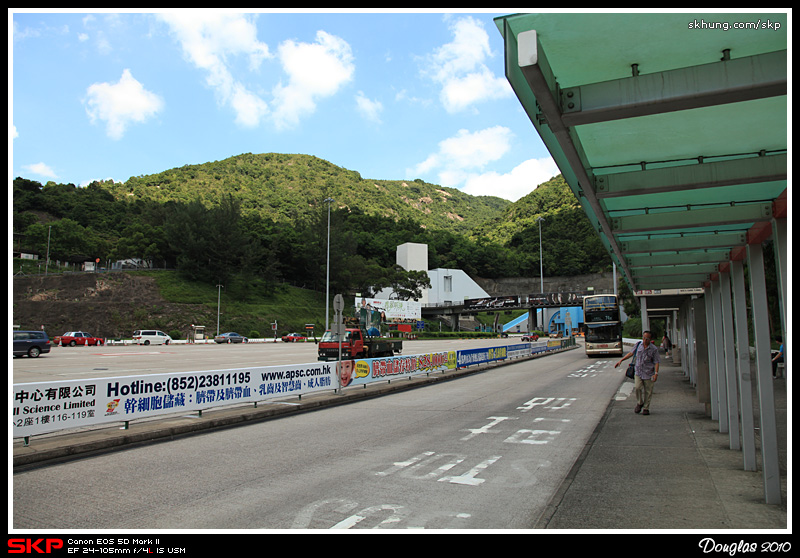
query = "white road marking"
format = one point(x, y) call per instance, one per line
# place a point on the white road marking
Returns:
point(484, 429)
point(546, 402)
point(624, 391)
point(468, 478)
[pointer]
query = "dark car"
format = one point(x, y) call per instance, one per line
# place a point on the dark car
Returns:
point(230, 337)
point(31, 343)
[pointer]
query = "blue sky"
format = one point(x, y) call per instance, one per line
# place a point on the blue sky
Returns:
point(391, 95)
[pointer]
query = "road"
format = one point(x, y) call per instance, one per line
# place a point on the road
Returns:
point(486, 451)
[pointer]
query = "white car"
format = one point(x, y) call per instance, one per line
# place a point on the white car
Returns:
point(151, 337)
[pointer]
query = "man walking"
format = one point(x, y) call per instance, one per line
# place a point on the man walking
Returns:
point(647, 363)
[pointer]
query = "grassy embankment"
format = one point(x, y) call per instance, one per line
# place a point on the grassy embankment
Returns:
point(250, 310)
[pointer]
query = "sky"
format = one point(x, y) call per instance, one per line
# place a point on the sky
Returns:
point(397, 96)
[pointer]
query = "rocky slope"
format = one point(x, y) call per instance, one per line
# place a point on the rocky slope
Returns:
point(110, 305)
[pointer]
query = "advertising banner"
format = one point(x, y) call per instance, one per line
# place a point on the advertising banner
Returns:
point(364, 371)
point(554, 300)
point(492, 303)
point(481, 356)
point(519, 350)
point(43, 407)
point(391, 309)
point(49, 406)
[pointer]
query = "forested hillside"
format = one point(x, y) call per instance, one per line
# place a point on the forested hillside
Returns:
point(262, 220)
point(283, 187)
point(572, 247)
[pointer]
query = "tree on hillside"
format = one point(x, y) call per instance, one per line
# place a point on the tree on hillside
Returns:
point(409, 284)
point(212, 245)
point(143, 241)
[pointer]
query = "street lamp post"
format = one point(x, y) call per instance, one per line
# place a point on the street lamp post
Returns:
point(47, 261)
point(219, 294)
point(328, 266)
point(541, 267)
point(541, 273)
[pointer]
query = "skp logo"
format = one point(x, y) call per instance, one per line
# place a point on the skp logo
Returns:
point(34, 546)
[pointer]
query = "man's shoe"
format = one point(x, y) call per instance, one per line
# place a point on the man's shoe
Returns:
point(637, 409)
point(645, 412)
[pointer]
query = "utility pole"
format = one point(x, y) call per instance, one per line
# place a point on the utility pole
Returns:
point(328, 266)
point(219, 293)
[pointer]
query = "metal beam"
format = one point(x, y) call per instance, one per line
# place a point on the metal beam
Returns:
point(729, 358)
point(766, 397)
point(729, 81)
point(532, 63)
point(671, 220)
point(743, 366)
point(750, 170)
point(680, 258)
point(690, 242)
point(673, 282)
point(668, 270)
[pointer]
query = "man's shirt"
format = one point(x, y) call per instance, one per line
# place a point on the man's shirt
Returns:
point(646, 360)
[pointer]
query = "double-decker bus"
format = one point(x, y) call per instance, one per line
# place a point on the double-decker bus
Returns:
point(601, 317)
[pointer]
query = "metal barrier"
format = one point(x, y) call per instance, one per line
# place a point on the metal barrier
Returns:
point(46, 407)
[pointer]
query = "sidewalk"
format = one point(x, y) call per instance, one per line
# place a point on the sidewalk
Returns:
point(672, 469)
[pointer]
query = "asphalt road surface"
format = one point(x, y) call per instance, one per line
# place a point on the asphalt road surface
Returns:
point(486, 451)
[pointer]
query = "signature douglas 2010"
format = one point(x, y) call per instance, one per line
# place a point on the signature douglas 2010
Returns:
point(709, 545)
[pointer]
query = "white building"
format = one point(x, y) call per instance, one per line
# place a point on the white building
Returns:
point(447, 285)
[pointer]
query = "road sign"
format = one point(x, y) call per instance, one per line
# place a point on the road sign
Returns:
point(338, 303)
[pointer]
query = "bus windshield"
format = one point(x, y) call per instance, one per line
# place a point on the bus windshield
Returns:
point(603, 333)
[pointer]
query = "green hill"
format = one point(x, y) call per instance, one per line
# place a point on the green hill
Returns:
point(572, 247)
point(263, 220)
point(283, 187)
point(258, 225)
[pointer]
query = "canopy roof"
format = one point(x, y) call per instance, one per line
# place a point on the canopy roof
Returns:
point(671, 130)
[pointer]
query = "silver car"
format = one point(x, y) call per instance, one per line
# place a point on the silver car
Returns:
point(230, 337)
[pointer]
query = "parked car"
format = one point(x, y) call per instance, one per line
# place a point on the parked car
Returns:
point(230, 337)
point(31, 343)
point(73, 338)
point(292, 337)
point(151, 337)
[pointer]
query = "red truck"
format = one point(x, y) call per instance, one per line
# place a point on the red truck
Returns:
point(356, 344)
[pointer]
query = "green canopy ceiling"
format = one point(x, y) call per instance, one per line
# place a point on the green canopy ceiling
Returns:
point(671, 130)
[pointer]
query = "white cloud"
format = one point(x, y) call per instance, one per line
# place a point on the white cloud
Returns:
point(23, 33)
point(209, 39)
point(522, 180)
point(371, 110)
point(316, 70)
point(99, 31)
point(459, 67)
point(464, 153)
point(40, 169)
point(462, 162)
point(461, 92)
point(120, 104)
